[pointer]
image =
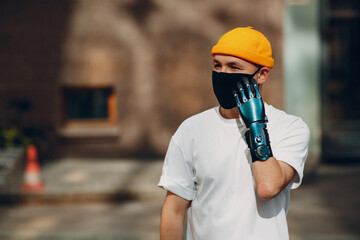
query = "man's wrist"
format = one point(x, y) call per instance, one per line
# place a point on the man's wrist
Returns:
point(258, 141)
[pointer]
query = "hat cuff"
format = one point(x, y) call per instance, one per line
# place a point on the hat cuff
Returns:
point(244, 54)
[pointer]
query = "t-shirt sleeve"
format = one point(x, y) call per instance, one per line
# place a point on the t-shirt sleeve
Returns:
point(177, 173)
point(292, 148)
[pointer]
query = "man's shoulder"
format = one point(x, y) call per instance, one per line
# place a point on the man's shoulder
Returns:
point(189, 125)
point(280, 120)
point(200, 117)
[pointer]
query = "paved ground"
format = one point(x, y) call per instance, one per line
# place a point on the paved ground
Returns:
point(327, 207)
point(107, 199)
point(133, 220)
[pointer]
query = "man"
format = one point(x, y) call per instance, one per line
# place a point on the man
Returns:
point(230, 169)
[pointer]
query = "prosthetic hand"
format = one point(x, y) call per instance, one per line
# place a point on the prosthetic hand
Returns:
point(252, 111)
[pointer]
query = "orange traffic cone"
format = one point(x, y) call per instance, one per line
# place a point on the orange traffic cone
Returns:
point(32, 177)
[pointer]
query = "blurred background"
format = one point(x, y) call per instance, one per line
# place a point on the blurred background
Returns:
point(99, 87)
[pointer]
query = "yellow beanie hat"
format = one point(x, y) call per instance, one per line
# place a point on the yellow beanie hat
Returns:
point(245, 43)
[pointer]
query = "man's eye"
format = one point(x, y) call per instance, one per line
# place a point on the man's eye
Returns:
point(235, 68)
point(217, 66)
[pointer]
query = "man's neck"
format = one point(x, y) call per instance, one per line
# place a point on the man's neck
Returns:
point(229, 113)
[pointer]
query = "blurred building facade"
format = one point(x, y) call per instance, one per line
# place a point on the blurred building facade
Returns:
point(115, 78)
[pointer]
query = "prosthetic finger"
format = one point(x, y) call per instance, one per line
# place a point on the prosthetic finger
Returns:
point(256, 88)
point(242, 92)
point(236, 96)
point(248, 88)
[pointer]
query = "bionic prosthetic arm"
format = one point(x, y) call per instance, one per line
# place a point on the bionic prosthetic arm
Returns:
point(252, 111)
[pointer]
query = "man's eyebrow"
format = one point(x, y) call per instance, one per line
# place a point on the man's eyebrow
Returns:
point(231, 63)
point(235, 63)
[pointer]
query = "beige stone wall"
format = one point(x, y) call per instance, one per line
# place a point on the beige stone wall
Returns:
point(156, 55)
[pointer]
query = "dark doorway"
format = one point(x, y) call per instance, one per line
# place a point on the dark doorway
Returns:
point(340, 80)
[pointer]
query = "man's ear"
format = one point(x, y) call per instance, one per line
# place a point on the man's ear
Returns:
point(263, 75)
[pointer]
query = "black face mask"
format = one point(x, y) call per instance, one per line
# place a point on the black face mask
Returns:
point(225, 83)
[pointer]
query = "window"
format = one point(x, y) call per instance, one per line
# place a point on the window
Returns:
point(86, 105)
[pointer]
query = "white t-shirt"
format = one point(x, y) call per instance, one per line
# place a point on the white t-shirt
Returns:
point(208, 162)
